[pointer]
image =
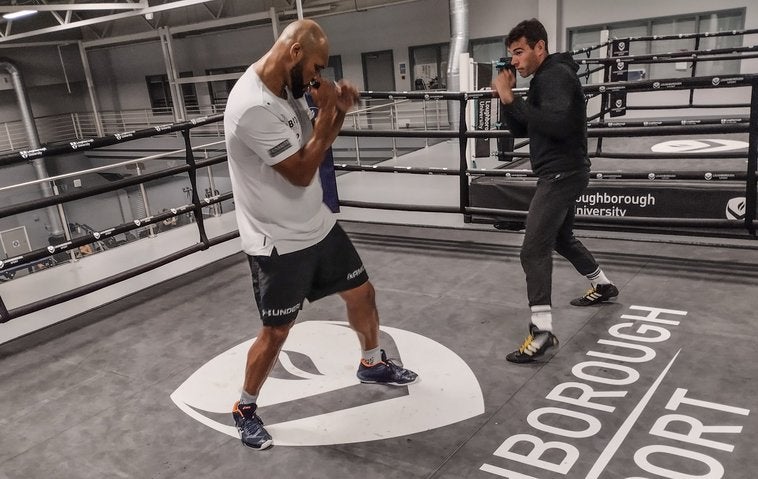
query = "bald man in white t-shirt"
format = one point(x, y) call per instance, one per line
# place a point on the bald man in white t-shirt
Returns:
point(295, 248)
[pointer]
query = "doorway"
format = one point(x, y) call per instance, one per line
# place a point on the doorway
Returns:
point(378, 71)
point(378, 75)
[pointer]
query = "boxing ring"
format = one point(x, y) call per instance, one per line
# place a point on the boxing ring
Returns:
point(481, 191)
point(656, 357)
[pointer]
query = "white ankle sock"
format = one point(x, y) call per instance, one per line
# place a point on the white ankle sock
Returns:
point(246, 398)
point(542, 317)
point(372, 356)
point(598, 277)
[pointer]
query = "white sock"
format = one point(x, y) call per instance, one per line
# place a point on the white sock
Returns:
point(598, 277)
point(542, 318)
point(246, 398)
point(372, 356)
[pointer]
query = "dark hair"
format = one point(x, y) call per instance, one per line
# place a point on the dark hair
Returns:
point(532, 30)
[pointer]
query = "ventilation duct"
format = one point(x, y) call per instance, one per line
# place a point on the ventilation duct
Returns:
point(458, 44)
point(31, 132)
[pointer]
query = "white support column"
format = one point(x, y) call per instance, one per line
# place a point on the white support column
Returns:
point(548, 13)
point(178, 87)
point(176, 91)
point(92, 93)
point(274, 22)
point(595, 105)
point(466, 67)
point(603, 52)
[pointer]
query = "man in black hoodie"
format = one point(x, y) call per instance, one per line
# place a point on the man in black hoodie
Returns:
point(554, 117)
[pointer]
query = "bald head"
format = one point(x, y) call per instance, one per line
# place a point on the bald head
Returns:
point(297, 57)
point(305, 32)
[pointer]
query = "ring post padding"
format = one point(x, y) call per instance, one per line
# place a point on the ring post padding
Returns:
point(752, 160)
point(463, 141)
point(198, 210)
point(4, 315)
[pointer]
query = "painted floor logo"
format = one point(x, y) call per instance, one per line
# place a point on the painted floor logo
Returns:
point(610, 416)
point(698, 146)
point(447, 393)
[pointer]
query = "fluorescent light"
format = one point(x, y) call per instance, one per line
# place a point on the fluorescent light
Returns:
point(18, 14)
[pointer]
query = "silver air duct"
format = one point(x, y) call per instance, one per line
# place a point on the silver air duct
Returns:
point(31, 132)
point(458, 45)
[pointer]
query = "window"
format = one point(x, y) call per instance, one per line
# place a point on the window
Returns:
point(486, 50)
point(429, 66)
point(734, 20)
point(582, 37)
point(429, 62)
point(668, 27)
point(159, 91)
point(219, 90)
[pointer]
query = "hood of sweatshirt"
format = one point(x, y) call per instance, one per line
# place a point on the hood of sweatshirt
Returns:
point(560, 58)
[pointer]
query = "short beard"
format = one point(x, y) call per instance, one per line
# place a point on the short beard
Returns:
point(296, 80)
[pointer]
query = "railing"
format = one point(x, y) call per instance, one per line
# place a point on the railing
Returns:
point(82, 125)
point(427, 115)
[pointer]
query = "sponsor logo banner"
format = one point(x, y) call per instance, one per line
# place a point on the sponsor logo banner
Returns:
point(619, 71)
point(633, 198)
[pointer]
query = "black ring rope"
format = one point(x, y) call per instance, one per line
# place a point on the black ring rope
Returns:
point(22, 156)
point(680, 55)
point(111, 280)
point(628, 220)
point(713, 176)
point(692, 105)
point(680, 36)
point(36, 255)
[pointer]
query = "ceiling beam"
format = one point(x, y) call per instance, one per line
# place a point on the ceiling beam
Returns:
point(101, 19)
point(61, 43)
point(75, 6)
point(60, 19)
point(206, 25)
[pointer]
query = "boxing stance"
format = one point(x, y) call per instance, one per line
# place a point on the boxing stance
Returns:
point(554, 117)
point(294, 246)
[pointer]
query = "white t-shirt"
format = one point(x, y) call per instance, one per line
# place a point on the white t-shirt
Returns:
point(262, 130)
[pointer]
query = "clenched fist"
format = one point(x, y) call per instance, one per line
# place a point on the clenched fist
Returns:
point(341, 95)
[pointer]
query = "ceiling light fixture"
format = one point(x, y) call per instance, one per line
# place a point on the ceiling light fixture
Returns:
point(18, 14)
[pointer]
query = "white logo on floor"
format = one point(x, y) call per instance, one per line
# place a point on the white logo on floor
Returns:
point(735, 209)
point(698, 146)
point(448, 391)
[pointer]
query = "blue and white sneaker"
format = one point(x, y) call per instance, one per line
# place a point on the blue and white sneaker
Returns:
point(250, 427)
point(386, 372)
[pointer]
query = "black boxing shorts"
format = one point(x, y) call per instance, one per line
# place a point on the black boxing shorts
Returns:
point(281, 283)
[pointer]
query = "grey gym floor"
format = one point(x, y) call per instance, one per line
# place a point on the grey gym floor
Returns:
point(90, 398)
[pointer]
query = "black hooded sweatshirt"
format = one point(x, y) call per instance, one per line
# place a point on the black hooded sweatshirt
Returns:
point(554, 117)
